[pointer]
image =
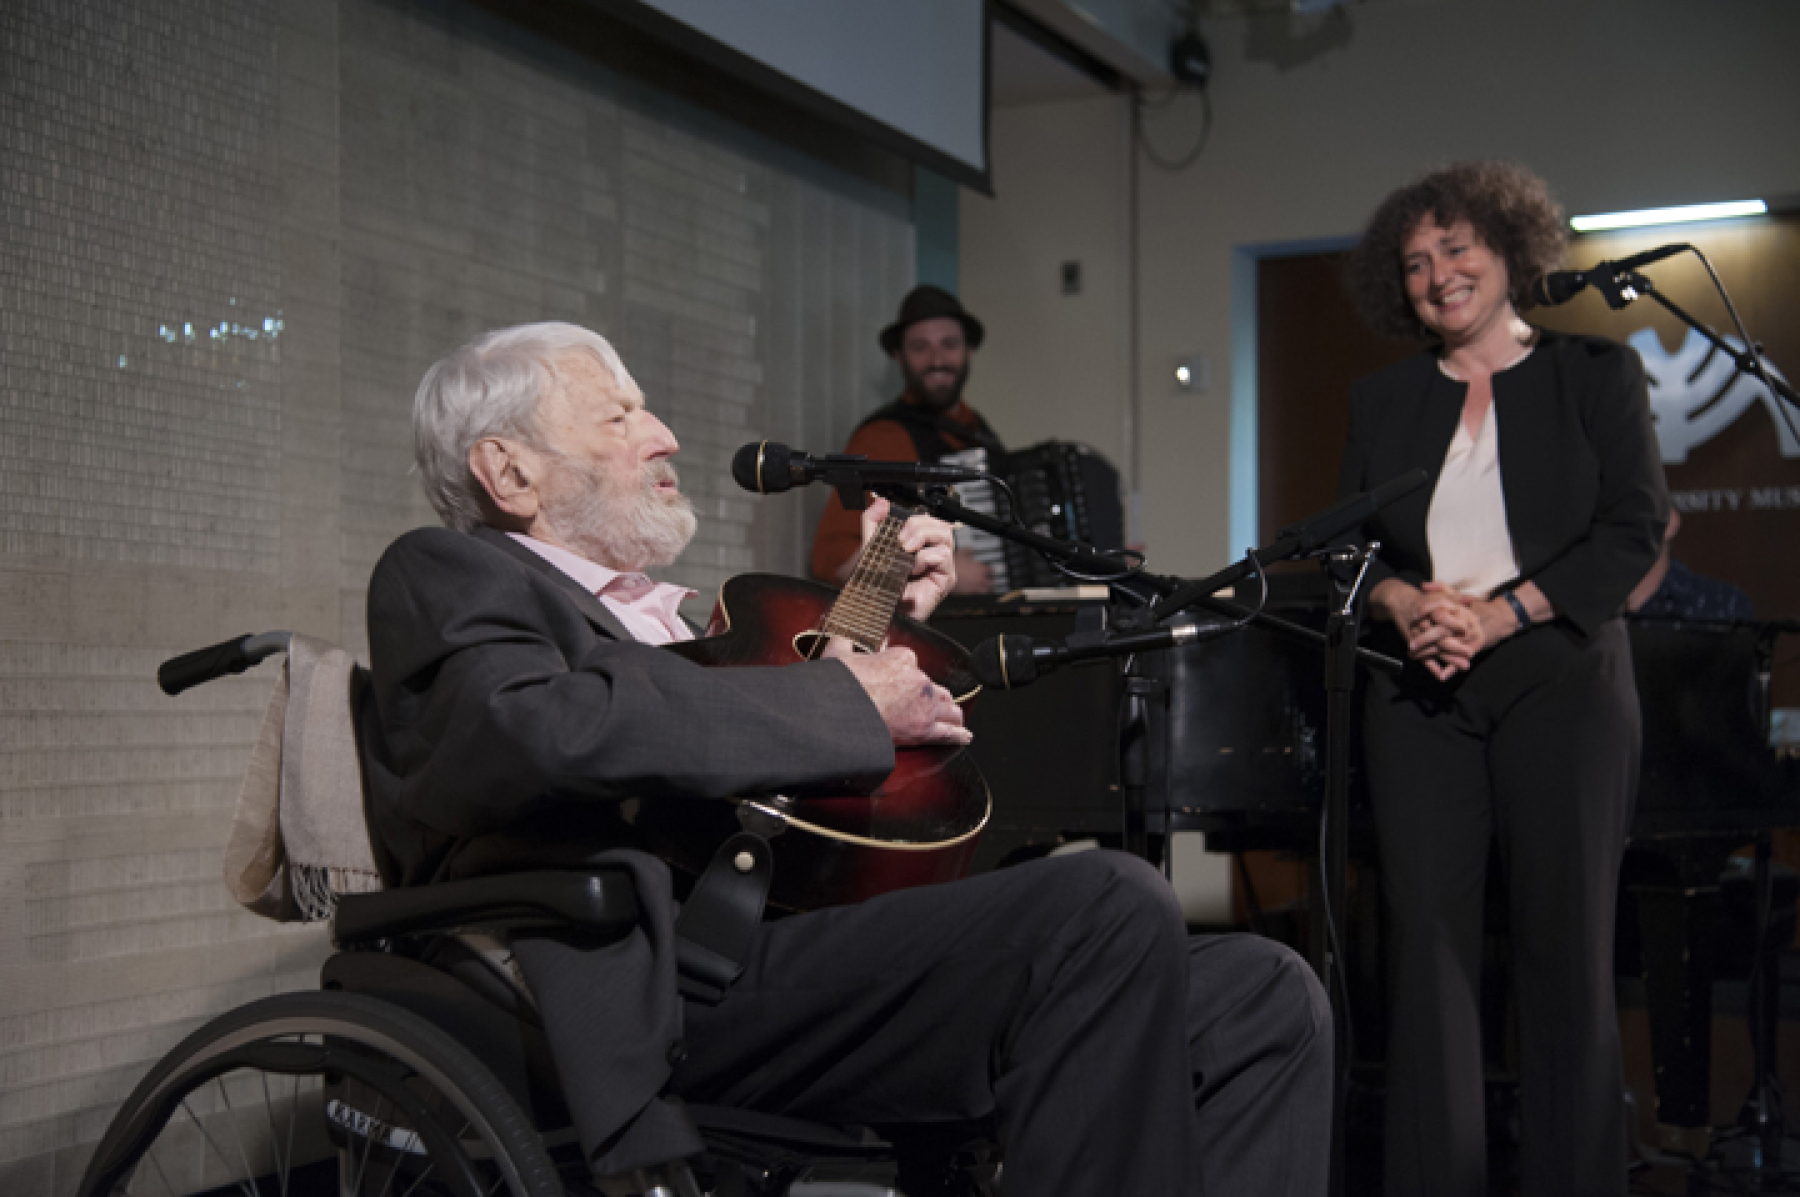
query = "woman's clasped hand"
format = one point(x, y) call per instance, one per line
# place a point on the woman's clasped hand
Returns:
point(1445, 629)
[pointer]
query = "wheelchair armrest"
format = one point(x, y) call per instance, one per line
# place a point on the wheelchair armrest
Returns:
point(599, 901)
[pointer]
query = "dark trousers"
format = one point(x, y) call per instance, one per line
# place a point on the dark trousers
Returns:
point(1064, 1001)
point(1537, 749)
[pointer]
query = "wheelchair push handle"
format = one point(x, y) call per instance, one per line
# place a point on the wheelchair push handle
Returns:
point(205, 664)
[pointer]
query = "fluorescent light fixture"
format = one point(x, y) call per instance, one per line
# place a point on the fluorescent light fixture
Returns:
point(1650, 216)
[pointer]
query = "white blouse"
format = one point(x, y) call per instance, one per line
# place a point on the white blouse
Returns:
point(1471, 548)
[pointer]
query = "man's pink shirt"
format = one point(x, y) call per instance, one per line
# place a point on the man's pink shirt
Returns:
point(649, 610)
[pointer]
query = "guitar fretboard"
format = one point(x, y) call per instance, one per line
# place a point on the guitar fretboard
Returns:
point(866, 606)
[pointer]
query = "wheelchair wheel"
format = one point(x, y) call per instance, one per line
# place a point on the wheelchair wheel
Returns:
point(259, 1100)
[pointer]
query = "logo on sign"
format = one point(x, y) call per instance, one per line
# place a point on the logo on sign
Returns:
point(1697, 392)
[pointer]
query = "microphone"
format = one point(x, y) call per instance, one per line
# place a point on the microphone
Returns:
point(768, 468)
point(1324, 526)
point(1007, 662)
point(1297, 540)
point(1560, 286)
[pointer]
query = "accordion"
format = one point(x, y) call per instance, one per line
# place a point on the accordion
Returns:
point(1065, 490)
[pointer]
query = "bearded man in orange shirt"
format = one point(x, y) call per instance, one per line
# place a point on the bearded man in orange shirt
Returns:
point(931, 341)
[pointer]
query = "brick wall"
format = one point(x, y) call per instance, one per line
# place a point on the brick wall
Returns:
point(235, 232)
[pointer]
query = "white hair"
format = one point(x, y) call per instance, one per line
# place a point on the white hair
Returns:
point(491, 387)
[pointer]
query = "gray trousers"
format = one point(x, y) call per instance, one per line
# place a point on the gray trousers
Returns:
point(1062, 1000)
point(1537, 750)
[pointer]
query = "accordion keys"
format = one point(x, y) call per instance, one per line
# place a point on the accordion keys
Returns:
point(1065, 490)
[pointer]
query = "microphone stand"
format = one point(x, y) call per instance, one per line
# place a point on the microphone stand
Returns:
point(1762, 1112)
point(1138, 691)
point(1342, 627)
point(1181, 593)
point(1341, 655)
point(1627, 286)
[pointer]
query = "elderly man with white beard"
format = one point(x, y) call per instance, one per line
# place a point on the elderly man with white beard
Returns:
point(521, 699)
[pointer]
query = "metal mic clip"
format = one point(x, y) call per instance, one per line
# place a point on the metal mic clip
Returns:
point(1619, 287)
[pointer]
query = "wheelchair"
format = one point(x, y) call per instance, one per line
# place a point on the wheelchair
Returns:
point(419, 1067)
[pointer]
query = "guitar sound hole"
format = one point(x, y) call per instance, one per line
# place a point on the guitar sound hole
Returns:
point(809, 644)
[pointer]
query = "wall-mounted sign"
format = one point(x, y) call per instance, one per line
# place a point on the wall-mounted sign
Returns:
point(1697, 392)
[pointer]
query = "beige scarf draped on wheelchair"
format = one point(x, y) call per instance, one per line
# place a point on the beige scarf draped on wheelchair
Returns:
point(299, 837)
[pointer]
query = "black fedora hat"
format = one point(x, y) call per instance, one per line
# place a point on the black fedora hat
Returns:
point(926, 302)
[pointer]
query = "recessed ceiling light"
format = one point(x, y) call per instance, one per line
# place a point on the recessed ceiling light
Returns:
point(1652, 216)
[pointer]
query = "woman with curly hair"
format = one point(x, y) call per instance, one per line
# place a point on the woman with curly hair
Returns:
point(1516, 719)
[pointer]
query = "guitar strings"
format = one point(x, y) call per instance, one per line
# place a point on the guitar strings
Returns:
point(866, 605)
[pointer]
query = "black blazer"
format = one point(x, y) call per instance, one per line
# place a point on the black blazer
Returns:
point(507, 697)
point(1586, 503)
point(510, 712)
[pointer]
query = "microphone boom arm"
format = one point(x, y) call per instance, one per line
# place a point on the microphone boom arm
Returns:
point(1295, 631)
point(1745, 363)
point(1294, 541)
point(1179, 595)
point(938, 501)
point(1621, 284)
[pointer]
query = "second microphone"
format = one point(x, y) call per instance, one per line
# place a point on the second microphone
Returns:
point(768, 468)
point(1008, 662)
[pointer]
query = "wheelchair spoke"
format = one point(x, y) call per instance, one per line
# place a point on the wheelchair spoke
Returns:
point(419, 1180)
point(293, 1117)
point(395, 1157)
point(281, 1166)
point(248, 1184)
point(246, 1187)
point(160, 1175)
point(394, 1171)
point(383, 1127)
point(368, 1147)
point(431, 1166)
point(407, 1111)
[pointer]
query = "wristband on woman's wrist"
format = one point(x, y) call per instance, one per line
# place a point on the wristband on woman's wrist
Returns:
point(1518, 610)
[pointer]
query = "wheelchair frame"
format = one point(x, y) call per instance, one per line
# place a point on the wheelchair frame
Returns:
point(421, 1049)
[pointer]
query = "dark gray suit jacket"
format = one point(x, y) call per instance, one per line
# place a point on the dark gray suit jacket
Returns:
point(507, 698)
point(510, 714)
point(1585, 496)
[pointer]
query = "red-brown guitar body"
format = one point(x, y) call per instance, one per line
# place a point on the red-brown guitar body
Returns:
point(919, 828)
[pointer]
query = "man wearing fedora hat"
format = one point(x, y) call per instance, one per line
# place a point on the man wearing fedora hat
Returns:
point(930, 341)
